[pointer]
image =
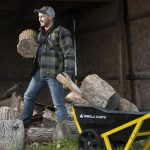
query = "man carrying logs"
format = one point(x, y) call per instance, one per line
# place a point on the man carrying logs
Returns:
point(55, 55)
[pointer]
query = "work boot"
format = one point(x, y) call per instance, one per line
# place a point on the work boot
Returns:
point(61, 130)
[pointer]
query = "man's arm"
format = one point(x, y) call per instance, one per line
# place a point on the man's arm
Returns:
point(66, 45)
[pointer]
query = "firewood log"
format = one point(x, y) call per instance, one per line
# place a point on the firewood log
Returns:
point(46, 134)
point(126, 105)
point(67, 82)
point(49, 118)
point(27, 45)
point(11, 130)
point(118, 103)
point(7, 113)
point(74, 98)
point(39, 134)
point(14, 102)
point(93, 89)
point(96, 91)
point(11, 134)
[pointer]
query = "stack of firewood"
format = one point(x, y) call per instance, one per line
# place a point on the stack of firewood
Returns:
point(11, 126)
point(44, 127)
point(95, 91)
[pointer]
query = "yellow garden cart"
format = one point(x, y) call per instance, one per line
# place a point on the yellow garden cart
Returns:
point(99, 129)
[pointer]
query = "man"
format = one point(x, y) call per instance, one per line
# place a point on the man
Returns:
point(55, 55)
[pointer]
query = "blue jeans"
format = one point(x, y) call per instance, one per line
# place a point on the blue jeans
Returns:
point(35, 86)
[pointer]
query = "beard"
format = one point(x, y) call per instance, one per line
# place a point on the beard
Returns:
point(44, 24)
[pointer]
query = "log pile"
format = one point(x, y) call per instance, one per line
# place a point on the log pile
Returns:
point(94, 90)
point(44, 127)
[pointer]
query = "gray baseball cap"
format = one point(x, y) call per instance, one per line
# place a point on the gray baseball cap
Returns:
point(46, 10)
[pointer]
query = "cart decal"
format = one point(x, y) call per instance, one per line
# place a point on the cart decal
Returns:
point(92, 116)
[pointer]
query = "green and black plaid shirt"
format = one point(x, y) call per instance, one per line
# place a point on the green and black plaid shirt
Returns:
point(55, 52)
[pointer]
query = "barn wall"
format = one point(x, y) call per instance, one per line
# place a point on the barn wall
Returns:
point(139, 21)
point(11, 67)
point(94, 44)
point(98, 44)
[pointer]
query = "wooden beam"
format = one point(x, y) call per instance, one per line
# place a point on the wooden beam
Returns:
point(122, 48)
point(132, 75)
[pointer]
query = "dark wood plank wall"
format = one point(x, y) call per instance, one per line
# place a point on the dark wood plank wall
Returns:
point(99, 42)
point(139, 35)
point(116, 47)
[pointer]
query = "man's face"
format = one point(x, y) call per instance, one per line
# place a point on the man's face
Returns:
point(44, 20)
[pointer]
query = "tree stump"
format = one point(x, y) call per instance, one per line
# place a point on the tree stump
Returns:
point(11, 130)
point(11, 134)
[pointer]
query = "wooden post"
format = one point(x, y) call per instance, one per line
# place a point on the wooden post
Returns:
point(134, 94)
point(122, 48)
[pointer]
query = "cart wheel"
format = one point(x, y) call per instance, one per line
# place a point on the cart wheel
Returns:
point(89, 140)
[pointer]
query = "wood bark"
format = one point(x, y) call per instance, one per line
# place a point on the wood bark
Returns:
point(74, 98)
point(49, 118)
point(11, 129)
point(7, 113)
point(67, 82)
point(96, 91)
point(11, 134)
point(39, 134)
point(125, 105)
point(93, 89)
point(118, 103)
point(46, 134)
point(14, 102)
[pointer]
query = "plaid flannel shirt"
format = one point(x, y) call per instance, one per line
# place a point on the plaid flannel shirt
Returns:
point(55, 52)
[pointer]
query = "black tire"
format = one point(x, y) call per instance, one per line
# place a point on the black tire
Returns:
point(90, 140)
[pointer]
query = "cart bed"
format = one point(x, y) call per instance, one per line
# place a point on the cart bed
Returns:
point(101, 121)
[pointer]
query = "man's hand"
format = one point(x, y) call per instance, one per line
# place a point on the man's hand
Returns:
point(65, 74)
